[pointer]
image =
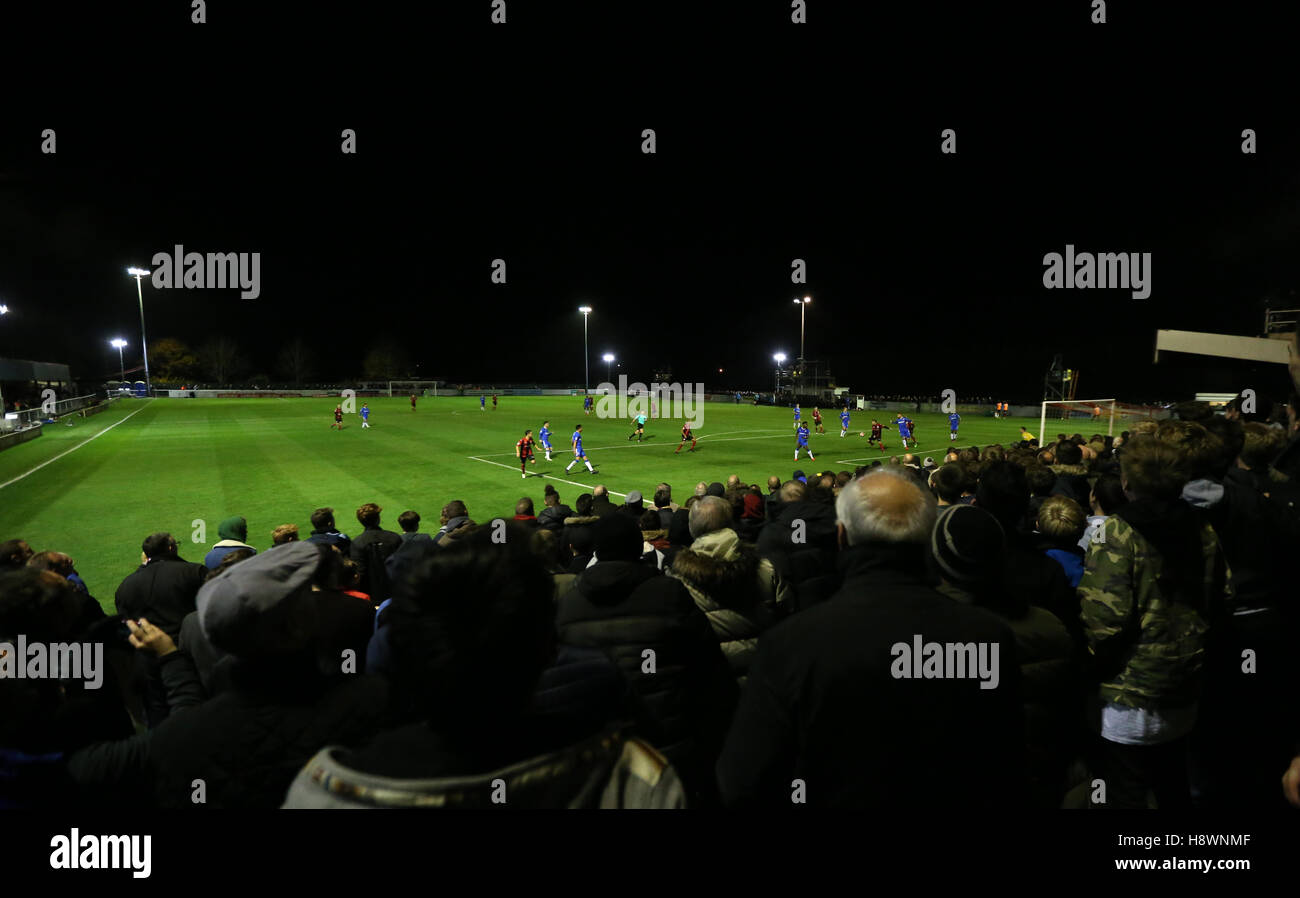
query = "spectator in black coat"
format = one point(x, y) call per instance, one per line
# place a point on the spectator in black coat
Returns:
point(289, 697)
point(828, 714)
point(968, 548)
point(600, 504)
point(627, 609)
point(163, 588)
point(1004, 493)
point(553, 514)
point(371, 549)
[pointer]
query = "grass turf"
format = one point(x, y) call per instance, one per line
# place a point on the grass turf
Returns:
point(173, 465)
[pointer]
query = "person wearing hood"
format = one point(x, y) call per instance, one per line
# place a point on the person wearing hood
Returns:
point(287, 698)
point(627, 609)
point(1154, 584)
point(739, 592)
point(234, 535)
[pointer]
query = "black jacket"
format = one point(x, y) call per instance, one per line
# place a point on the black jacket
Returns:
point(246, 744)
point(601, 506)
point(163, 591)
point(777, 535)
point(552, 517)
point(823, 704)
point(625, 608)
point(370, 550)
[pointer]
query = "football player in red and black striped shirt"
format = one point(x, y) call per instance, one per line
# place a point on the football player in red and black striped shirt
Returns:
point(876, 434)
point(524, 450)
point(686, 435)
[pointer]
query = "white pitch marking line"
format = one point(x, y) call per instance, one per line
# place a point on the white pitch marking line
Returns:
point(73, 449)
point(546, 476)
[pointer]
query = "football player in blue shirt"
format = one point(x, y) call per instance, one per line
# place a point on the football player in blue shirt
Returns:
point(844, 422)
point(953, 420)
point(904, 429)
point(802, 436)
point(365, 415)
point(578, 454)
point(796, 415)
point(544, 437)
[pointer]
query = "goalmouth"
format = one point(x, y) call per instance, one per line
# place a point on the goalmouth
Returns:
point(418, 387)
point(1112, 411)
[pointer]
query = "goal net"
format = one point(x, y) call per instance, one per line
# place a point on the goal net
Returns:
point(1089, 416)
point(407, 387)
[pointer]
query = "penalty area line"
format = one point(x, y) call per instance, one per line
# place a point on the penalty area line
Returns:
point(546, 476)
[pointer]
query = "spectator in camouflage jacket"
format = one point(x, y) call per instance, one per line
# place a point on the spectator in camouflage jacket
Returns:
point(1154, 584)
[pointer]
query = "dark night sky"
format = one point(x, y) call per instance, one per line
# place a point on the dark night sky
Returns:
point(925, 269)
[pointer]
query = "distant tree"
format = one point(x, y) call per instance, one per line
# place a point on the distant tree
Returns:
point(386, 361)
point(295, 361)
point(221, 360)
point(172, 360)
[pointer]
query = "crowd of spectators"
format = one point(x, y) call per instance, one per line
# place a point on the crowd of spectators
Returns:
point(755, 645)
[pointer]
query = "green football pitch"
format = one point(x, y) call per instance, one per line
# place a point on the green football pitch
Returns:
point(95, 489)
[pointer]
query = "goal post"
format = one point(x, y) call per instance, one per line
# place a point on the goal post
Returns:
point(1118, 416)
point(419, 387)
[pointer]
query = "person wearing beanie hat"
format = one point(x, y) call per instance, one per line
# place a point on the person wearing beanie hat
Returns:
point(634, 504)
point(799, 476)
point(233, 532)
point(715, 489)
point(967, 545)
point(968, 548)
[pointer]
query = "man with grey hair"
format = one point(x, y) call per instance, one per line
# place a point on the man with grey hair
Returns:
point(701, 488)
point(739, 592)
point(733, 481)
point(840, 695)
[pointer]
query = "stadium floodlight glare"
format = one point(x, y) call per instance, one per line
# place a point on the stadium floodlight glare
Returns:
point(586, 359)
point(802, 304)
point(138, 273)
point(4, 310)
point(779, 358)
point(117, 343)
point(609, 359)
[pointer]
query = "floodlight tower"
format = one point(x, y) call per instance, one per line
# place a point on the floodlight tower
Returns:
point(138, 273)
